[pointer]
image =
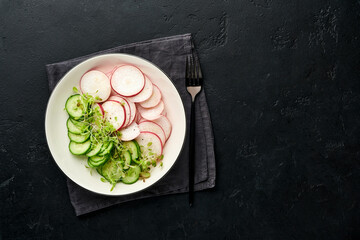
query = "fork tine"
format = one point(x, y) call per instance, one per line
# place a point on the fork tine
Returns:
point(192, 70)
point(196, 78)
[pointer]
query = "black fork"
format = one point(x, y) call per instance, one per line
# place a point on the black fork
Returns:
point(193, 85)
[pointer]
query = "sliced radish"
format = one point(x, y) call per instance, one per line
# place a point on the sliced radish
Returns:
point(132, 108)
point(127, 81)
point(126, 105)
point(141, 119)
point(130, 132)
point(151, 113)
point(165, 124)
point(114, 113)
point(149, 142)
point(153, 100)
point(138, 117)
point(145, 94)
point(96, 84)
point(148, 126)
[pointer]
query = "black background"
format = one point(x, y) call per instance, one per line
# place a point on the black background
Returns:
point(283, 86)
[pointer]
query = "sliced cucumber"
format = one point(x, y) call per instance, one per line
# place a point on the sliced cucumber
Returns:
point(78, 138)
point(107, 149)
point(112, 171)
point(132, 175)
point(90, 164)
point(73, 128)
point(127, 159)
point(96, 161)
point(80, 124)
point(79, 148)
point(104, 146)
point(74, 106)
point(94, 150)
point(134, 149)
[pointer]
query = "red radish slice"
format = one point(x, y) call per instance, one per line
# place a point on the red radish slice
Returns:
point(145, 94)
point(165, 124)
point(130, 132)
point(138, 117)
point(127, 80)
point(114, 113)
point(132, 108)
point(141, 119)
point(126, 105)
point(153, 100)
point(96, 84)
point(152, 113)
point(148, 126)
point(147, 141)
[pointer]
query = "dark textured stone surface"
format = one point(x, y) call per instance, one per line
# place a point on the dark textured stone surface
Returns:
point(283, 85)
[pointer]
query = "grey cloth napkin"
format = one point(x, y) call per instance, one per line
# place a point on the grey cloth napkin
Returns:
point(169, 54)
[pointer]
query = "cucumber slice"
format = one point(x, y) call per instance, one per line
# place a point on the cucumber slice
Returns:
point(127, 158)
point(90, 164)
point(79, 148)
point(74, 106)
point(104, 146)
point(96, 161)
point(78, 138)
point(94, 150)
point(132, 175)
point(134, 149)
point(81, 125)
point(72, 127)
point(107, 149)
point(112, 171)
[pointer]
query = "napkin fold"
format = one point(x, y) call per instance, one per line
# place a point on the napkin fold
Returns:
point(168, 53)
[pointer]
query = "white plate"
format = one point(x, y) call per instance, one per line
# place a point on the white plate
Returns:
point(74, 166)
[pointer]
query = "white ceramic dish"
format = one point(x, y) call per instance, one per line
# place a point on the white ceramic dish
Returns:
point(74, 166)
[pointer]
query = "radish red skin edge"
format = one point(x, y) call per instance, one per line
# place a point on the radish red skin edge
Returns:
point(146, 132)
point(122, 109)
point(127, 121)
point(111, 81)
point(163, 142)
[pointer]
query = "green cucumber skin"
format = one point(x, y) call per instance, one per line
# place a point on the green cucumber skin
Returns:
point(134, 149)
point(127, 159)
point(107, 150)
point(73, 145)
point(81, 125)
point(78, 138)
point(72, 127)
point(94, 151)
point(98, 162)
point(70, 104)
point(131, 179)
point(110, 168)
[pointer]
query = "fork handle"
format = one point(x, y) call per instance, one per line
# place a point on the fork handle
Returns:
point(192, 154)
